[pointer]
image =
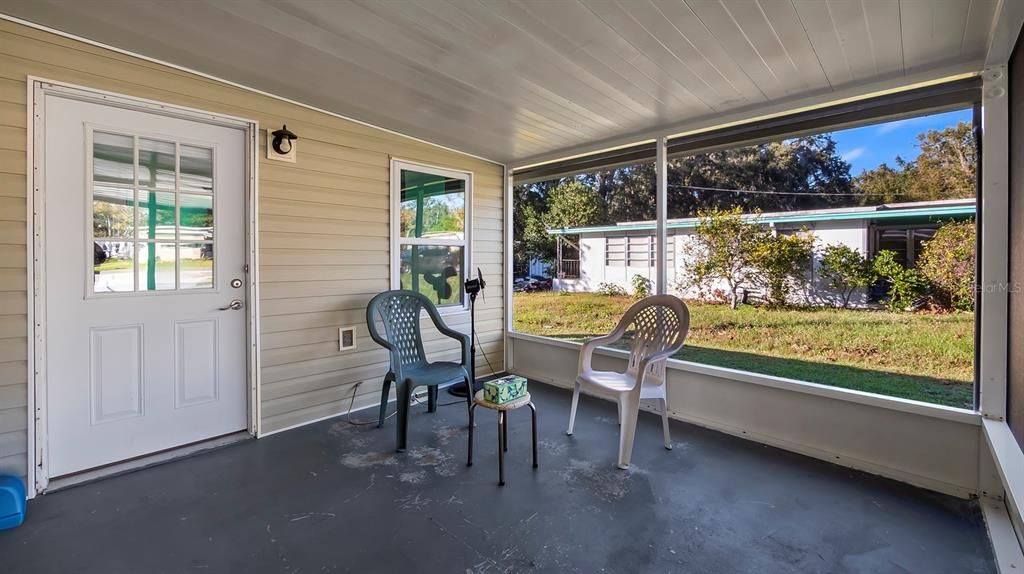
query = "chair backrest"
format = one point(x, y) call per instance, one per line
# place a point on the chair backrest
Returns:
point(399, 310)
point(658, 323)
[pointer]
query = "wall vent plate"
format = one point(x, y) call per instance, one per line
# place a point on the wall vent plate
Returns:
point(272, 153)
point(346, 338)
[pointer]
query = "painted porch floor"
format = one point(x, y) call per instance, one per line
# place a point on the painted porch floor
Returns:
point(332, 497)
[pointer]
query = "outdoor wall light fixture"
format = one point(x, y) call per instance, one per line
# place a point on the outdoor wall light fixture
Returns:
point(282, 142)
point(281, 145)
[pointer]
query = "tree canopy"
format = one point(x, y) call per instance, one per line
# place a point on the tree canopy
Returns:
point(945, 168)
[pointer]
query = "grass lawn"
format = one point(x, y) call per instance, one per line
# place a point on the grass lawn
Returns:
point(117, 264)
point(926, 357)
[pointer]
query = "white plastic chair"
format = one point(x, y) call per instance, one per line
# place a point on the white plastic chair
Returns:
point(658, 325)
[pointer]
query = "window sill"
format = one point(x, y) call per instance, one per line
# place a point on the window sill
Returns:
point(892, 403)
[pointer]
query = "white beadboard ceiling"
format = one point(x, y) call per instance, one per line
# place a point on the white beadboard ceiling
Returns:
point(517, 80)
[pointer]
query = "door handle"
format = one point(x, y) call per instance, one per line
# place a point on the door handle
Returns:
point(234, 305)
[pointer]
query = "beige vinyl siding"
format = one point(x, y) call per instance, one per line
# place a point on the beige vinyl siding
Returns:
point(323, 233)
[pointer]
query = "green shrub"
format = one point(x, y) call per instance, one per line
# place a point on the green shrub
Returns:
point(610, 289)
point(780, 265)
point(948, 262)
point(641, 287)
point(722, 249)
point(846, 270)
point(905, 285)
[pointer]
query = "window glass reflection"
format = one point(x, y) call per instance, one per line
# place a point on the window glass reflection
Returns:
point(112, 266)
point(433, 206)
point(156, 164)
point(156, 263)
point(196, 265)
point(434, 270)
point(113, 210)
point(196, 168)
point(196, 217)
point(113, 158)
point(156, 215)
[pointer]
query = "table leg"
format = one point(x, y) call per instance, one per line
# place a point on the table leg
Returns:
point(502, 421)
point(504, 432)
point(469, 461)
point(533, 414)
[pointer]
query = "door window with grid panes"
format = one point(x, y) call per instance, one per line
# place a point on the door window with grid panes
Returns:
point(152, 214)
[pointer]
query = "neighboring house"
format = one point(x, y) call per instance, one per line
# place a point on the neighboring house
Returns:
point(614, 254)
point(533, 267)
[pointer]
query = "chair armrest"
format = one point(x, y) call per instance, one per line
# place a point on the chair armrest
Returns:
point(587, 350)
point(447, 331)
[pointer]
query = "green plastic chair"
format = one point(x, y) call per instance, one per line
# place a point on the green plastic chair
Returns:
point(399, 311)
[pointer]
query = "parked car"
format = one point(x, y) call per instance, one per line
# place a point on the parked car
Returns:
point(543, 283)
point(526, 285)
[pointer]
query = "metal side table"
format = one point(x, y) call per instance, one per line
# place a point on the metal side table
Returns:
point(502, 409)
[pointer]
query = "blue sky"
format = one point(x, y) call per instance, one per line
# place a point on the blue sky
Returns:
point(870, 146)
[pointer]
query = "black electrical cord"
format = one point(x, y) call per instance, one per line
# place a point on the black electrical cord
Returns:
point(489, 366)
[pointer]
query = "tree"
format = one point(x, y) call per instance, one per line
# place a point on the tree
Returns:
point(553, 204)
point(723, 248)
point(806, 169)
point(573, 204)
point(905, 285)
point(846, 270)
point(945, 168)
point(535, 242)
point(884, 184)
point(947, 165)
point(948, 262)
point(780, 264)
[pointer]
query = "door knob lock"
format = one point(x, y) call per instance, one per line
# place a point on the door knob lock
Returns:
point(234, 305)
point(236, 283)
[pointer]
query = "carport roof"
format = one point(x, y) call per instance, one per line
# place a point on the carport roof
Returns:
point(932, 210)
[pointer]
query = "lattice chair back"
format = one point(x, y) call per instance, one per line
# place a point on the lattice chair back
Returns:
point(655, 324)
point(400, 313)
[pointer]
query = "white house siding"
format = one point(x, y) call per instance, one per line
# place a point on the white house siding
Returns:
point(594, 271)
point(851, 233)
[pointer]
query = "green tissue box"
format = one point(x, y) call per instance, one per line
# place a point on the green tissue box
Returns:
point(505, 389)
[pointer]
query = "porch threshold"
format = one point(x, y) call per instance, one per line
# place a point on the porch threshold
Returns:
point(144, 461)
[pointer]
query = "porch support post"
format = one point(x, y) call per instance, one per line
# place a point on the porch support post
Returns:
point(661, 177)
point(992, 299)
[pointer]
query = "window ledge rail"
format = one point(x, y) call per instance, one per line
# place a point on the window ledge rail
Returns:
point(892, 403)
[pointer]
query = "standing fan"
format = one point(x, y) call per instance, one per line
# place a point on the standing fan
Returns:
point(473, 288)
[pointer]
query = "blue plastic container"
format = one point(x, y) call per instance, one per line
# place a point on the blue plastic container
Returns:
point(12, 502)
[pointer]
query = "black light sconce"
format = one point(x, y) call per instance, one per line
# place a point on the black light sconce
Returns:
point(282, 142)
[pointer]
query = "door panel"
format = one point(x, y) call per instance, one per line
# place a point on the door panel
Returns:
point(195, 362)
point(115, 359)
point(143, 232)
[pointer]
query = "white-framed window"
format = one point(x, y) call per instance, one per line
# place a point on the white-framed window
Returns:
point(636, 251)
point(151, 212)
point(431, 222)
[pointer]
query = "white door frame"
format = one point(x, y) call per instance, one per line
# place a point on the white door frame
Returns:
point(38, 88)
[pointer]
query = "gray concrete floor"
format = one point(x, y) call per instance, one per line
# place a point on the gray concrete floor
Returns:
point(332, 497)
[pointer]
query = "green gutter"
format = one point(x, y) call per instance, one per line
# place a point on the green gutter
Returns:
point(955, 210)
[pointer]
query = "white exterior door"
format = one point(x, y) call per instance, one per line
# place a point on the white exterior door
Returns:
point(144, 250)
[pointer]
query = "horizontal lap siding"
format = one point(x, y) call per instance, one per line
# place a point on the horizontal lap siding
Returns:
point(323, 233)
point(13, 286)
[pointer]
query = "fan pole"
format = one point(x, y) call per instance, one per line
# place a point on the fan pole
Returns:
point(473, 288)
